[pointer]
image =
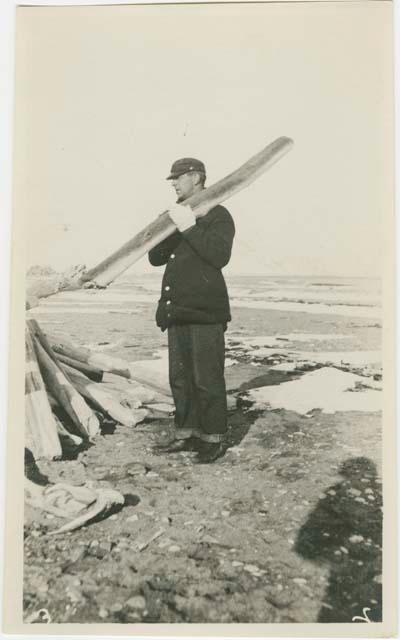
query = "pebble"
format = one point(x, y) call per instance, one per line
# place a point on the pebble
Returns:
point(210, 539)
point(225, 514)
point(114, 517)
point(279, 600)
point(133, 518)
point(356, 538)
point(103, 613)
point(133, 616)
point(163, 544)
point(300, 581)
point(344, 550)
point(74, 594)
point(174, 548)
point(137, 602)
point(115, 608)
point(252, 568)
point(237, 563)
point(136, 470)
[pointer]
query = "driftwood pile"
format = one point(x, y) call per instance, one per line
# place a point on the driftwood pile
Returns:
point(70, 390)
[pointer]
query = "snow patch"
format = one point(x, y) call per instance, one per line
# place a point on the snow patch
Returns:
point(328, 389)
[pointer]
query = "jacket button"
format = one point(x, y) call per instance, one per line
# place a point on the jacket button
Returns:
point(168, 301)
point(167, 288)
point(172, 256)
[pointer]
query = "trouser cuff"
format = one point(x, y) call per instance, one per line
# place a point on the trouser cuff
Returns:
point(184, 434)
point(210, 437)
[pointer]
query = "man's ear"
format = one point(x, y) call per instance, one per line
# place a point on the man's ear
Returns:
point(196, 178)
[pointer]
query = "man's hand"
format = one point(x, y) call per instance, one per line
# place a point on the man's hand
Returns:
point(182, 216)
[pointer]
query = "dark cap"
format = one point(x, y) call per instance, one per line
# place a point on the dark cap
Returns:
point(184, 165)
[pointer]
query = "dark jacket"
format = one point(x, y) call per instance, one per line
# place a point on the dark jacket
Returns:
point(193, 288)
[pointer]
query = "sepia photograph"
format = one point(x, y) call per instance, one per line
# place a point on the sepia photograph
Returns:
point(203, 201)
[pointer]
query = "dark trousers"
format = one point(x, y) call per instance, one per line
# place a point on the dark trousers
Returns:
point(196, 375)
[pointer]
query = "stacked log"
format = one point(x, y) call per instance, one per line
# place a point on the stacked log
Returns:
point(91, 358)
point(41, 435)
point(68, 388)
point(103, 400)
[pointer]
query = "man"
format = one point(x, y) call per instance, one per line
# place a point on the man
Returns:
point(194, 307)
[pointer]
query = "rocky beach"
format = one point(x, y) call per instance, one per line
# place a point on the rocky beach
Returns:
point(286, 527)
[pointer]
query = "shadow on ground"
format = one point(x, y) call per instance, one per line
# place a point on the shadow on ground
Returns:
point(239, 423)
point(345, 531)
point(32, 471)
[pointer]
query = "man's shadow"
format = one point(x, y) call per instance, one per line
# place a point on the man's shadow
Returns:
point(345, 532)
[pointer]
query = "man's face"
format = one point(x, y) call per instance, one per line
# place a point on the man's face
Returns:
point(184, 185)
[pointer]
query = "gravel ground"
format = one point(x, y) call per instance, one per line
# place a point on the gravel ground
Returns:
point(286, 527)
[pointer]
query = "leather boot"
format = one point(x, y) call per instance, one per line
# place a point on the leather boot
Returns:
point(187, 444)
point(209, 452)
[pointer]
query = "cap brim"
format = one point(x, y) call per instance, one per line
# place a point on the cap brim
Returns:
point(173, 176)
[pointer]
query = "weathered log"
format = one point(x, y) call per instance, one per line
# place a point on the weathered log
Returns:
point(150, 377)
point(40, 428)
point(135, 394)
point(161, 407)
point(106, 271)
point(48, 285)
point(70, 400)
point(103, 400)
point(134, 371)
point(157, 414)
point(122, 384)
point(89, 357)
point(201, 203)
point(94, 373)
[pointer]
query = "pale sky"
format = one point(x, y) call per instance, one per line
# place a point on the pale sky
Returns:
point(109, 97)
